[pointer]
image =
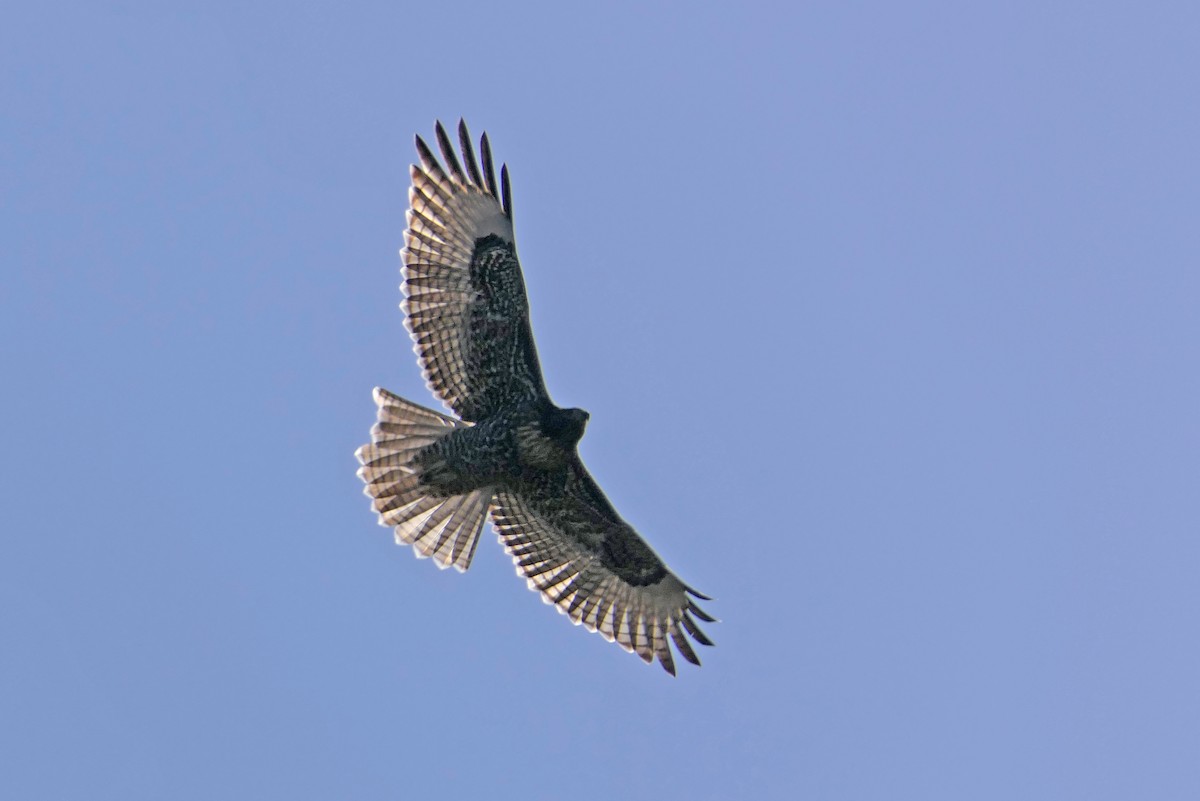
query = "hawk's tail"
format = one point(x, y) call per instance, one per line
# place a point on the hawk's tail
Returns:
point(446, 528)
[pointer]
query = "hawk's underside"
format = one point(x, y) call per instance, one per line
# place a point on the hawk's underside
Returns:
point(434, 478)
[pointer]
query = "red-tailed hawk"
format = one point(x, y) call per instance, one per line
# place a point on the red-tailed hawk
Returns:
point(433, 478)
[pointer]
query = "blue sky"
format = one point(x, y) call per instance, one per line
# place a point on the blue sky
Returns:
point(886, 316)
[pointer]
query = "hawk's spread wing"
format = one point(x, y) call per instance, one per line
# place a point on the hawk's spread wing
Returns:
point(569, 543)
point(465, 302)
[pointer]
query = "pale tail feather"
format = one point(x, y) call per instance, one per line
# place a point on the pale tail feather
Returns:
point(446, 529)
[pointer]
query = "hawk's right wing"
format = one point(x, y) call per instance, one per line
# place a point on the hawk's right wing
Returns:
point(571, 545)
point(465, 302)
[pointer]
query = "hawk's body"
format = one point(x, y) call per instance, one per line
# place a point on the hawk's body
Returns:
point(511, 450)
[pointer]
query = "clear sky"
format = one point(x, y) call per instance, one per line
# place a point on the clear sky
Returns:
point(887, 316)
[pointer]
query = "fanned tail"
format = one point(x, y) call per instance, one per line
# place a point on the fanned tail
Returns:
point(445, 528)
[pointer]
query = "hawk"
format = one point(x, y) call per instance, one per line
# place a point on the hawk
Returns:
point(508, 450)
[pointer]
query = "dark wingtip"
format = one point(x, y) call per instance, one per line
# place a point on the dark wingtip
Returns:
point(694, 630)
point(489, 171)
point(700, 613)
point(424, 152)
point(444, 145)
point(684, 648)
point(464, 142)
point(505, 191)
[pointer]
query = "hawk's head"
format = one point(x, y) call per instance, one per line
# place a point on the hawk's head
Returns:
point(565, 426)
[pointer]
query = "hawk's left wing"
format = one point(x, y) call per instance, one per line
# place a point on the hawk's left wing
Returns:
point(572, 547)
point(465, 302)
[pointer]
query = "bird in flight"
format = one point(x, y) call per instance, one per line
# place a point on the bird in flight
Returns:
point(508, 450)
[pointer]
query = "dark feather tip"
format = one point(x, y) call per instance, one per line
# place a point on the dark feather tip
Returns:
point(505, 191)
point(700, 613)
point(489, 172)
point(684, 647)
point(464, 142)
point(448, 152)
point(694, 630)
point(424, 152)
